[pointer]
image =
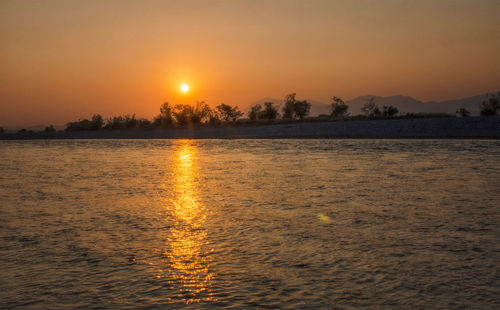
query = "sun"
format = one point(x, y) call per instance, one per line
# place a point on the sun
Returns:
point(184, 88)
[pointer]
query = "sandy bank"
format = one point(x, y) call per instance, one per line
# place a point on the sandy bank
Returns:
point(468, 127)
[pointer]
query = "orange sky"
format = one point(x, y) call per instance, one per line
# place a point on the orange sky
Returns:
point(64, 60)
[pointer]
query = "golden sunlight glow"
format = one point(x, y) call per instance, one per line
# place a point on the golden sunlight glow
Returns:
point(184, 88)
point(188, 258)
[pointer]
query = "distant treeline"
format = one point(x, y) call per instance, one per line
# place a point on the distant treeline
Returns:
point(181, 115)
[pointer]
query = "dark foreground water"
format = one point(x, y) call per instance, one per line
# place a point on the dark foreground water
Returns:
point(250, 223)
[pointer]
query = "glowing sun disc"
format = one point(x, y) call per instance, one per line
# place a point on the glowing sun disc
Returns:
point(184, 88)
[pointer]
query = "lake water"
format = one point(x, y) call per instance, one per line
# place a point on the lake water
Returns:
point(250, 223)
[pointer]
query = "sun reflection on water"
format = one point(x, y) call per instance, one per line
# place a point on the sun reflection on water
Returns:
point(186, 243)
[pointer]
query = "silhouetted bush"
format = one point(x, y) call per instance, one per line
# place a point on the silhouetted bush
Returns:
point(254, 112)
point(115, 122)
point(288, 108)
point(370, 109)
point(201, 113)
point(270, 112)
point(50, 129)
point(2, 130)
point(228, 113)
point(339, 108)
point(84, 124)
point(462, 112)
point(302, 109)
point(490, 106)
point(214, 119)
point(165, 118)
point(122, 122)
point(185, 114)
point(389, 111)
point(182, 114)
point(144, 123)
point(156, 123)
point(95, 124)
point(131, 121)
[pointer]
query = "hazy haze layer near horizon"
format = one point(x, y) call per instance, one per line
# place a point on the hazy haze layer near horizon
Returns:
point(64, 60)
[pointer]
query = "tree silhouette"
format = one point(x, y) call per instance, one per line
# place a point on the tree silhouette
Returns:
point(294, 108)
point(50, 129)
point(95, 123)
point(130, 121)
point(213, 117)
point(2, 130)
point(183, 114)
point(389, 111)
point(143, 123)
point(228, 113)
point(122, 122)
point(201, 112)
point(270, 111)
point(490, 106)
point(289, 107)
point(165, 118)
point(370, 109)
point(339, 108)
point(301, 109)
point(255, 112)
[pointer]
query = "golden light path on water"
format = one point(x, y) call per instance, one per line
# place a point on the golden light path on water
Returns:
point(189, 263)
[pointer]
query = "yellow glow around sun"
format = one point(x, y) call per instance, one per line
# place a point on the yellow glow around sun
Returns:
point(184, 88)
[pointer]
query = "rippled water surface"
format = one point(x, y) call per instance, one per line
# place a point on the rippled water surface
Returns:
point(250, 223)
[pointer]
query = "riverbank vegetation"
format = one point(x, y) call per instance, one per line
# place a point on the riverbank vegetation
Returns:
point(293, 110)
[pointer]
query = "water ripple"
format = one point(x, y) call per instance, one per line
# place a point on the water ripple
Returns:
point(249, 224)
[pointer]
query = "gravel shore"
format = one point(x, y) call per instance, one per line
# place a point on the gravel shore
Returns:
point(467, 127)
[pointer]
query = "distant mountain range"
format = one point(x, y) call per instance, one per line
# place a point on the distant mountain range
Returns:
point(405, 104)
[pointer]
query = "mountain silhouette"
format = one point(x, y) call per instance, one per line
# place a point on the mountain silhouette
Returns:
point(405, 104)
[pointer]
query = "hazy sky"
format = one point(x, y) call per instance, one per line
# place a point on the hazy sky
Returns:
point(64, 60)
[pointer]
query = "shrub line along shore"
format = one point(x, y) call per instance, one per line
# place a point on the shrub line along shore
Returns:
point(420, 128)
point(199, 121)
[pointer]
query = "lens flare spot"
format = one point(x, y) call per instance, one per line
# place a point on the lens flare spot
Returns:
point(324, 218)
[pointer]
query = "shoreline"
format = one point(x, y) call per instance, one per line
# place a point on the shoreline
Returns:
point(421, 128)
